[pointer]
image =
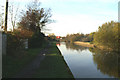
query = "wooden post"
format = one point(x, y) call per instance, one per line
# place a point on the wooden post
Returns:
point(6, 15)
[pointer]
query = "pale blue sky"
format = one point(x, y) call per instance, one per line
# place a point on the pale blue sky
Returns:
point(78, 16)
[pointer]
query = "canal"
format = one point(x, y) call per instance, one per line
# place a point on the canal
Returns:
point(89, 62)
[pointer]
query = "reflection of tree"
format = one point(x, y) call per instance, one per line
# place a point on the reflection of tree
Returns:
point(74, 47)
point(107, 62)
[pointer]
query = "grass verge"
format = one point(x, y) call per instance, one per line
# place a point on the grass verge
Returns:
point(53, 66)
point(12, 64)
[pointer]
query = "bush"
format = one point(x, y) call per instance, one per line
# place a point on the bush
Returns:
point(91, 42)
point(13, 43)
point(37, 40)
point(108, 35)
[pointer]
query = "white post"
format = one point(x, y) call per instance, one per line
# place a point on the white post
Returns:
point(26, 43)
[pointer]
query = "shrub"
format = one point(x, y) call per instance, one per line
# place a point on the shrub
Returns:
point(13, 44)
point(37, 40)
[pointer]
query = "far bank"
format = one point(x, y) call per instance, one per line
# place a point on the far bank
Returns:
point(87, 44)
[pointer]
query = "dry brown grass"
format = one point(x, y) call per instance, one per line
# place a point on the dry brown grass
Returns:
point(85, 44)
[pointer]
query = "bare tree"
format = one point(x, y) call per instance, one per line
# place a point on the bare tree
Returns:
point(1, 20)
point(13, 11)
point(2, 17)
point(35, 18)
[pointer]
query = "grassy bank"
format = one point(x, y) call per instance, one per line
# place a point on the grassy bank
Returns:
point(14, 63)
point(53, 66)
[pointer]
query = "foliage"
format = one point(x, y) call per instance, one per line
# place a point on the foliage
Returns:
point(14, 43)
point(79, 37)
point(52, 37)
point(37, 40)
point(108, 35)
point(35, 18)
point(16, 39)
point(23, 34)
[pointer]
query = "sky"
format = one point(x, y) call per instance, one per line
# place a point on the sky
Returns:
point(76, 16)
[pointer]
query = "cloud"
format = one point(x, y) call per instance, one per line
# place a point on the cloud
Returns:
point(20, 1)
point(74, 24)
point(102, 1)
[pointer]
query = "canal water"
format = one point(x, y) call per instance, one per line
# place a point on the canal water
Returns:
point(89, 62)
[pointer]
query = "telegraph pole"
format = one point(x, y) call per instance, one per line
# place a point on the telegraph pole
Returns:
point(6, 15)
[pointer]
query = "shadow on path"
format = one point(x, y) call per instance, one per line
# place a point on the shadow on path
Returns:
point(31, 68)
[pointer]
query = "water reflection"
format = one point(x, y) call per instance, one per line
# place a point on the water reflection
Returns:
point(90, 62)
point(72, 46)
point(107, 62)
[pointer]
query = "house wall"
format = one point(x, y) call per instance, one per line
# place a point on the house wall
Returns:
point(0, 55)
point(4, 41)
point(0, 42)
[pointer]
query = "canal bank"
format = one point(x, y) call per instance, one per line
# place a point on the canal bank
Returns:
point(67, 67)
point(53, 65)
point(87, 44)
